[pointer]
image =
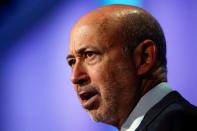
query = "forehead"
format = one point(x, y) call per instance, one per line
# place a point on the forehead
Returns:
point(98, 34)
point(83, 35)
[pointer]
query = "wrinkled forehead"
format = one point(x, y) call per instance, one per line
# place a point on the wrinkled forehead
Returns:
point(83, 35)
point(100, 33)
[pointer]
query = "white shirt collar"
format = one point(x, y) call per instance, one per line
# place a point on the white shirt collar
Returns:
point(151, 98)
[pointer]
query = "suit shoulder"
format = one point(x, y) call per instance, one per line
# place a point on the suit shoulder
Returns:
point(178, 116)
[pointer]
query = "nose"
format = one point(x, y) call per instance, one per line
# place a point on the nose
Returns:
point(79, 74)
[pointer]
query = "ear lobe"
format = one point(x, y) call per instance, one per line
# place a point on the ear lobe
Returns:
point(145, 56)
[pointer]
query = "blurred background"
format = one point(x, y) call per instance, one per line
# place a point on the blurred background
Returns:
point(35, 91)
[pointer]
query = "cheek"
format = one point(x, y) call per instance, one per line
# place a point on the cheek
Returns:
point(102, 78)
point(112, 77)
point(98, 73)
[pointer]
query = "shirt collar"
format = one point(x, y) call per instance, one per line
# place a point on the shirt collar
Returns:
point(151, 98)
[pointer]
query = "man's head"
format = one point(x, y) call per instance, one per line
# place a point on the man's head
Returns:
point(117, 53)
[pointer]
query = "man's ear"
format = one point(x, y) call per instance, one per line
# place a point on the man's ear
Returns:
point(145, 56)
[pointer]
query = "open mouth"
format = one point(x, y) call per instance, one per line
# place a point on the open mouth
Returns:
point(86, 95)
point(88, 99)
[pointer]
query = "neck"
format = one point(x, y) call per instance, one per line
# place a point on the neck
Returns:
point(146, 83)
point(157, 76)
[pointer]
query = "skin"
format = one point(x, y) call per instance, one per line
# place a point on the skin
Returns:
point(100, 65)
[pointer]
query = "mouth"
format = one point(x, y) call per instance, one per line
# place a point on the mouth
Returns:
point(89, 99)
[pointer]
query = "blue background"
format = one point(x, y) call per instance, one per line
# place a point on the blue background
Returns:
point(35, 91)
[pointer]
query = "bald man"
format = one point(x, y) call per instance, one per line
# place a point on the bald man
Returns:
point(117, 54)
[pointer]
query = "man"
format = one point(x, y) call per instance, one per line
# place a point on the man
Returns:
point(118, 58)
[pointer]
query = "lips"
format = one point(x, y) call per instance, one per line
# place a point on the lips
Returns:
point(89, 98)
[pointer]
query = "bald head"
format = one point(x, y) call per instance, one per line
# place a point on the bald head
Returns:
point(106, 16)
point(129, 24)
point(111, 12)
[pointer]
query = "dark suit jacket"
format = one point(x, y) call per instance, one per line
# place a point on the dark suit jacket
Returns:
point(172, 113)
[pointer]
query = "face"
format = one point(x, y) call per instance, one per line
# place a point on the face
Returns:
point(104, 77)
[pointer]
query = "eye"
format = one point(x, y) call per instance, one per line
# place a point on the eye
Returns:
point(89, 54)
point(71, 61)
point(91, 57)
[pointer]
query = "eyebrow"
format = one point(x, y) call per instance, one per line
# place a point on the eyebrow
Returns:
point(78, 52)
point(69, 56)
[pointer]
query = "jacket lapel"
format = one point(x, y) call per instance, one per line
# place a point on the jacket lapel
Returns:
point(171, 98)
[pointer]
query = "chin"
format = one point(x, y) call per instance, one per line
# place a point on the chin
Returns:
point(102, 116)
point(95, 115)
